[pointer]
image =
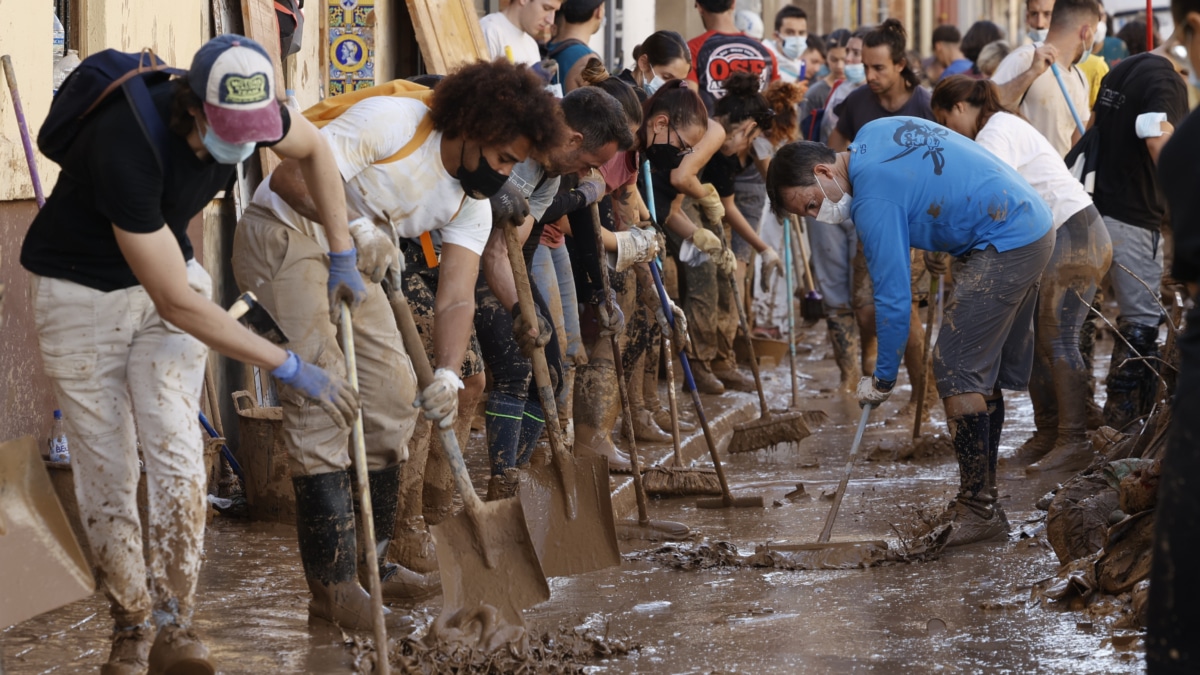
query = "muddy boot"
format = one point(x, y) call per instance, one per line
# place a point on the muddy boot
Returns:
point(843, 338)
point(974, 514)
point(1073, 451)
point(647, 430)
point(706, 382)
point(1045, 418)
point(130, 653)
point(504, 485)
point(177, 651)
point(995, 411)
point(398, 581)
point(597, 407)
point(660, 412)
point(1129, 382)
point(326, 534)
point(732, 377)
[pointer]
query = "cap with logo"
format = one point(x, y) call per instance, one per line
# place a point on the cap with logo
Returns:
point(235, 78)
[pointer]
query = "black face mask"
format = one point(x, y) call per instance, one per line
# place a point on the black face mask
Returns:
point(481, 183)
point(665, 157)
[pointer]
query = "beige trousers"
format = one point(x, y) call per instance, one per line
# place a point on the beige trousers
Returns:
point(123, 374)
point(289, 273)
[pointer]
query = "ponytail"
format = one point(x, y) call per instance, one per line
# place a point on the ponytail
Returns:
point(981, 94)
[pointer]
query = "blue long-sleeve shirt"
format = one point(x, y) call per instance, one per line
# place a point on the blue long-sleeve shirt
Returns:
point(917, 184)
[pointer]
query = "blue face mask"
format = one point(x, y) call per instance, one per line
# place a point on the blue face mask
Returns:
point(224, 152)
point(823, 71)
point(855, 73)
point(653, 85)
point(1038, 34)
point(793, 46)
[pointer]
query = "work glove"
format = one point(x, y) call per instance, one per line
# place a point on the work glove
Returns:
point(635, 246)
point(679, 332)
point(872, 392)
point(523, 332)
point(440, 398)
point(509, 206)
point(707, 242)
point(329, 391)
point(592, 187)
point(376, 250)
point(710, 204)
point(936, 263)
point(345, 283)
point(771, 265)
point(726, 262)
point(611, 323)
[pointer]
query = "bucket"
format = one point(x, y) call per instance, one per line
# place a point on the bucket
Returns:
point(264, 459)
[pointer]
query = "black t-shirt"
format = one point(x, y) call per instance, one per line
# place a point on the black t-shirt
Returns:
point(1126, 184)
point(109, 177)
point(722, 170)
point(862, 106)
point(1179, 178)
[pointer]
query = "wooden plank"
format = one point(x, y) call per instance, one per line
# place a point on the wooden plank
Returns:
point(258, 17)
point(448, 32)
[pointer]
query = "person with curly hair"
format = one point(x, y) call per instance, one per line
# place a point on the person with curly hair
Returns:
point(408, 169)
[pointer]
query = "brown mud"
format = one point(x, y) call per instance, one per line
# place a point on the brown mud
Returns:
point(970, 609)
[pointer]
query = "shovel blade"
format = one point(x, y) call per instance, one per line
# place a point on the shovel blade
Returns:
point(44, 568)
point(568, 546)
point(497, 535)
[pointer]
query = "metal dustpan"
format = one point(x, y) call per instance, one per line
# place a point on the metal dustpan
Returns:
point(568, 508)
point(44, 568)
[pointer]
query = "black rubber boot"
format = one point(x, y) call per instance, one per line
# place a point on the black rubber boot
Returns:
point(398, 582)
point(1131, 384)
point(995, 411)
point(972, 439)
point(974, 514)
point(326, 534)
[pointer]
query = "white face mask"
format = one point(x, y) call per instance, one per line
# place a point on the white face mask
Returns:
point(793, 46)
point(1038, 34)
point(833, 212)
point(654, 84)
point(1101, 33)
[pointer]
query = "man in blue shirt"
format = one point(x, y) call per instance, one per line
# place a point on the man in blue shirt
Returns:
point(907, 182)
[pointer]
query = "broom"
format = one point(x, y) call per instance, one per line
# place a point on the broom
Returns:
point(677, 480)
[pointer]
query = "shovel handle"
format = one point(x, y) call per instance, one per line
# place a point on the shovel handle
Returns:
point(26, 139)
point(791, 309)
point(841, 489)
point(541, 371)
point(926, 354)
point(745, 328)
point(364, 495)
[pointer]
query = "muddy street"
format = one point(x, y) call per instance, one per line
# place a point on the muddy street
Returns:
point(969, 611)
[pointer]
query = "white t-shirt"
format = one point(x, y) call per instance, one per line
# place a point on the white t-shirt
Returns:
point(1043, 104)
point(500, 33)
point(1020, 146)
point(407, 197)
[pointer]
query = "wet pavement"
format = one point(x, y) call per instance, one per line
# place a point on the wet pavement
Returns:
point(967, 612)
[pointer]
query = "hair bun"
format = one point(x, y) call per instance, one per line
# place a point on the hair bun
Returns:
point(594, 72)
point(742, 84)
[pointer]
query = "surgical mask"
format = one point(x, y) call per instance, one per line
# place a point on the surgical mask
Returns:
point(1038, 34)
point(823, 71)
point(654, 84)
point(833, 212)
point(481, 183)
point(1101, 33)
point(224, 152)
point(855, 73)
point(793, 46)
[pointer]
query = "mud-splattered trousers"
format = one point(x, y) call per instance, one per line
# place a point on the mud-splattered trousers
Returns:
point(122, 375)
point(708, 302)
point(289, 273)
point(1057, 386)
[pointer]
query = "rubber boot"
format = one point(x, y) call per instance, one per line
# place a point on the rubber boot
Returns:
point(706, 382)
point(177, 651)
point(399, 582)
point(1045, 417)
point(660, 411)
point(504, 485)
point(505, 414)
point(645, 428)
point(995, 411)
point(1072, 451)
point(1129, 382)
point(533, 421)
point(130, 653)
point(974, 514)
point(843, 338)
point(597, 405)
point(326, 535)
point(731, 376)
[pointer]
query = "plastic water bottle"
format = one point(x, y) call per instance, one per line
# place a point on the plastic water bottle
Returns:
point(60, 39)
point(58, 440)
point(64, 67)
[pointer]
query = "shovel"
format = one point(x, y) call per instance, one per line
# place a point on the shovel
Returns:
point(567, 502)
point(43, 565)
point(484, 553)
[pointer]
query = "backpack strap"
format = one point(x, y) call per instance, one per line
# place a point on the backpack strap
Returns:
point(149, 119)
point(431, 256)
point(424, 129)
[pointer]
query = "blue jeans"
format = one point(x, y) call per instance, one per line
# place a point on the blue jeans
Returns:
point(553, 275)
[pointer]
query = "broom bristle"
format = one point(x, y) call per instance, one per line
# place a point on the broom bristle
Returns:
point(675, 482)
point(765, 433)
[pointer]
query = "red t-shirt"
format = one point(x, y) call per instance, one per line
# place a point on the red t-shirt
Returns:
point(716, 56)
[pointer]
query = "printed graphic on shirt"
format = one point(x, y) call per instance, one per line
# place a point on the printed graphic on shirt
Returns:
point(720, 56)
point(914, 136)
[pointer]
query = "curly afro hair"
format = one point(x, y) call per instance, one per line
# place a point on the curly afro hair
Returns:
point(496, 103)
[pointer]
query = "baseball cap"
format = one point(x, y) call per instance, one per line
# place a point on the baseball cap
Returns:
point(235, 78)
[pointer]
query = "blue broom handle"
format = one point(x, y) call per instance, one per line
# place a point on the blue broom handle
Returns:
point(1070, 104)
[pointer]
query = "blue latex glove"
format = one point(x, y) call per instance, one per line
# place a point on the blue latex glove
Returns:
point(345, 282)
point(328, 390)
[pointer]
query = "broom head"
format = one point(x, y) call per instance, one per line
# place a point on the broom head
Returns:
point(769, 431)
point(661, 481)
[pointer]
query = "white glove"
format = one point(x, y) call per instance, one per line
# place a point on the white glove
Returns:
point(440, 398)
point(869, 393)
point(635, 246)
point(1148, 125)
point(771, 266)
point(376, 251)
point(611, 323)
point(679, 334)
